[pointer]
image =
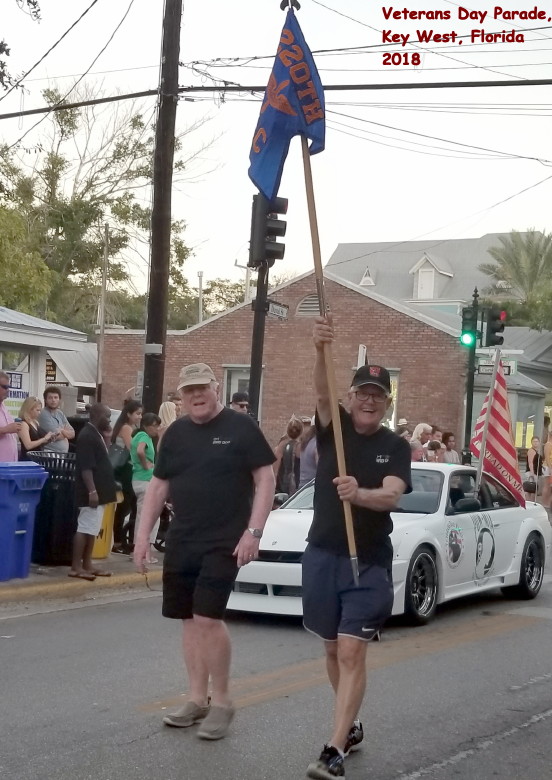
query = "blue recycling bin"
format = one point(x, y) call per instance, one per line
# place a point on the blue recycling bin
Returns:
point(20, 488)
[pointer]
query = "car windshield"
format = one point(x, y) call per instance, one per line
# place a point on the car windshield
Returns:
point(425, 496)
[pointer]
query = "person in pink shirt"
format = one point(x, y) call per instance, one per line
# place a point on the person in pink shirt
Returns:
point(9, 429)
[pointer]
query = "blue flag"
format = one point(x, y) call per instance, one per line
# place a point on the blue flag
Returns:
point(293, 104)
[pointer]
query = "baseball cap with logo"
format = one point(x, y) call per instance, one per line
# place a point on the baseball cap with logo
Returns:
point(372, 375)
point(195, 374)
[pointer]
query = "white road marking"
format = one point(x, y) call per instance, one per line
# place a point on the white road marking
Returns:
point(480, 746)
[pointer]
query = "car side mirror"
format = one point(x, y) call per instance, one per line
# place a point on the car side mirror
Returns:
point(279, 499)
point(467, 505)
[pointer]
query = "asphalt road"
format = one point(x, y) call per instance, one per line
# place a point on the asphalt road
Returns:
point(83, 690)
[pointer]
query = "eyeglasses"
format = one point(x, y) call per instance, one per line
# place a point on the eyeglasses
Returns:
point(5, 387)
point(243, 406)
point(378, 398)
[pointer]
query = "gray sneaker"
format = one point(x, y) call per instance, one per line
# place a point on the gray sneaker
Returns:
point(217, 722)
point(187, 715)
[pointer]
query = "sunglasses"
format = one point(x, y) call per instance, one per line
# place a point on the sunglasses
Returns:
point(5, 387)
point(243, 406)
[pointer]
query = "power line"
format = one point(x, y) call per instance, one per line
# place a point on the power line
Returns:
point(456, 221)
point(60, 104)
point(59, 40)
point(445, 140)
point(250, 89)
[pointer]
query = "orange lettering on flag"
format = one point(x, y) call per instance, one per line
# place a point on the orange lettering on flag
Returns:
point(286, 37)
point(260, 135)
point(288, 56)
point(310, 91)
point(313, 112)
point(300, 73)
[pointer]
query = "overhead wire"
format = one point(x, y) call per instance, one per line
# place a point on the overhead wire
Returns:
point(60, 103)
point(440, 54)
point(49, 51)
point(443, 227)
point(446, 140)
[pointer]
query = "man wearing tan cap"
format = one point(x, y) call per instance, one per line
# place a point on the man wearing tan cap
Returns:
point(216, 466)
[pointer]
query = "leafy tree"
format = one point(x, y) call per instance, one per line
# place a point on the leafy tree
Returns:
point(24, 277)
point(522, 267)
point(93, 167)
point(33, 8)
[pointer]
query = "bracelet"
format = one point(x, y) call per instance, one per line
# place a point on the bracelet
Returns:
point(92, 492)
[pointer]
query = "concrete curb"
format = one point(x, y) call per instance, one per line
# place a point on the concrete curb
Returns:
point(21, 590)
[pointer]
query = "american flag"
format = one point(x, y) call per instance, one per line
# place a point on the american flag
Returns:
point(500, 459)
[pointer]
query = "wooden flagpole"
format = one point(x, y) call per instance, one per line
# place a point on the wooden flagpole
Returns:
point(328, 356)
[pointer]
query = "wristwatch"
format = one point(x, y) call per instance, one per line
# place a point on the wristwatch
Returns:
point(256, 532)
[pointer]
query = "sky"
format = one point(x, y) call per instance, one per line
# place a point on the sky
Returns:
point(381, 178)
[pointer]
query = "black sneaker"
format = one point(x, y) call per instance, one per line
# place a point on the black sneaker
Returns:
point(329, 765)
point(354, 738)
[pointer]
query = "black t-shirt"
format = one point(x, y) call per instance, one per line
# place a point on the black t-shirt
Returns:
point(369, 459)
point(209, 468)
point(91, 454)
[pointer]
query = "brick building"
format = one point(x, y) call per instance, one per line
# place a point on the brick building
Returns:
point(423, 354)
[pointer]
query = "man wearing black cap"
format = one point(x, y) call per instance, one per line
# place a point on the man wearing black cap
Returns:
point(240, 402)
point(378, 473)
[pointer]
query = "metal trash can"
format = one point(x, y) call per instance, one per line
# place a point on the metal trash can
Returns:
point(20, 488)
point(56, 514)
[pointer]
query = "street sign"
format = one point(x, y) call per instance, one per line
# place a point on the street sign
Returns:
point(279, 310)
point(486, 367)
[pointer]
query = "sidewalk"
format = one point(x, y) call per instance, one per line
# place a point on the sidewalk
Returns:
point(53, 581)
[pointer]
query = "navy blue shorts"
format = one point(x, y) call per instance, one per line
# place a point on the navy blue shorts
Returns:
point(200, 584)
point(333, 605)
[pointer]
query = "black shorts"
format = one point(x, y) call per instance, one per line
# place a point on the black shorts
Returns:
point(333, 604)
point(201, 583)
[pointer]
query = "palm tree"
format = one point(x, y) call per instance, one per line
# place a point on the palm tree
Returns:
point(523, 267)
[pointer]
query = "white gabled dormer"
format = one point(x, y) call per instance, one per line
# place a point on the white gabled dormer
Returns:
point(429, 273)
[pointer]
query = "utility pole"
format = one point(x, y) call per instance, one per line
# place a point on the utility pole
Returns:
point(101, 318)
point(466, 454)
point(158, 294)
point(200, 296)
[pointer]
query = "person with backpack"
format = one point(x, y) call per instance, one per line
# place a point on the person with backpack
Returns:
point(288, 458)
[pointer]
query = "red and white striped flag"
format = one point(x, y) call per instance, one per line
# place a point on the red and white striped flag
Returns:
point(500, 459)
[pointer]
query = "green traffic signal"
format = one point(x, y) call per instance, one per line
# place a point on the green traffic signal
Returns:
point(467, 339)
point(468, 334)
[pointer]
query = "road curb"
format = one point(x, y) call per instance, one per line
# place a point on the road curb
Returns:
point(23, 591)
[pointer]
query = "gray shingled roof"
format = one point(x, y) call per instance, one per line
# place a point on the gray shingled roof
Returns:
point(390, 263)
point(27, 321)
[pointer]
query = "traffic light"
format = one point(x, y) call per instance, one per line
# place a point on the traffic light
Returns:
point(469, 327)
point(495, 326)
point(265, 229)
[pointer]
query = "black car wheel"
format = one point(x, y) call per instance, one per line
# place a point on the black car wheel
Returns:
point(531, 571)
point(421, 587)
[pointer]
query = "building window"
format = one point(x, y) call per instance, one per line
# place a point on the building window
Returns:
point(236, 380)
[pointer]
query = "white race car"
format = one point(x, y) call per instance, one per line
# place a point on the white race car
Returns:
point(447, 543)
